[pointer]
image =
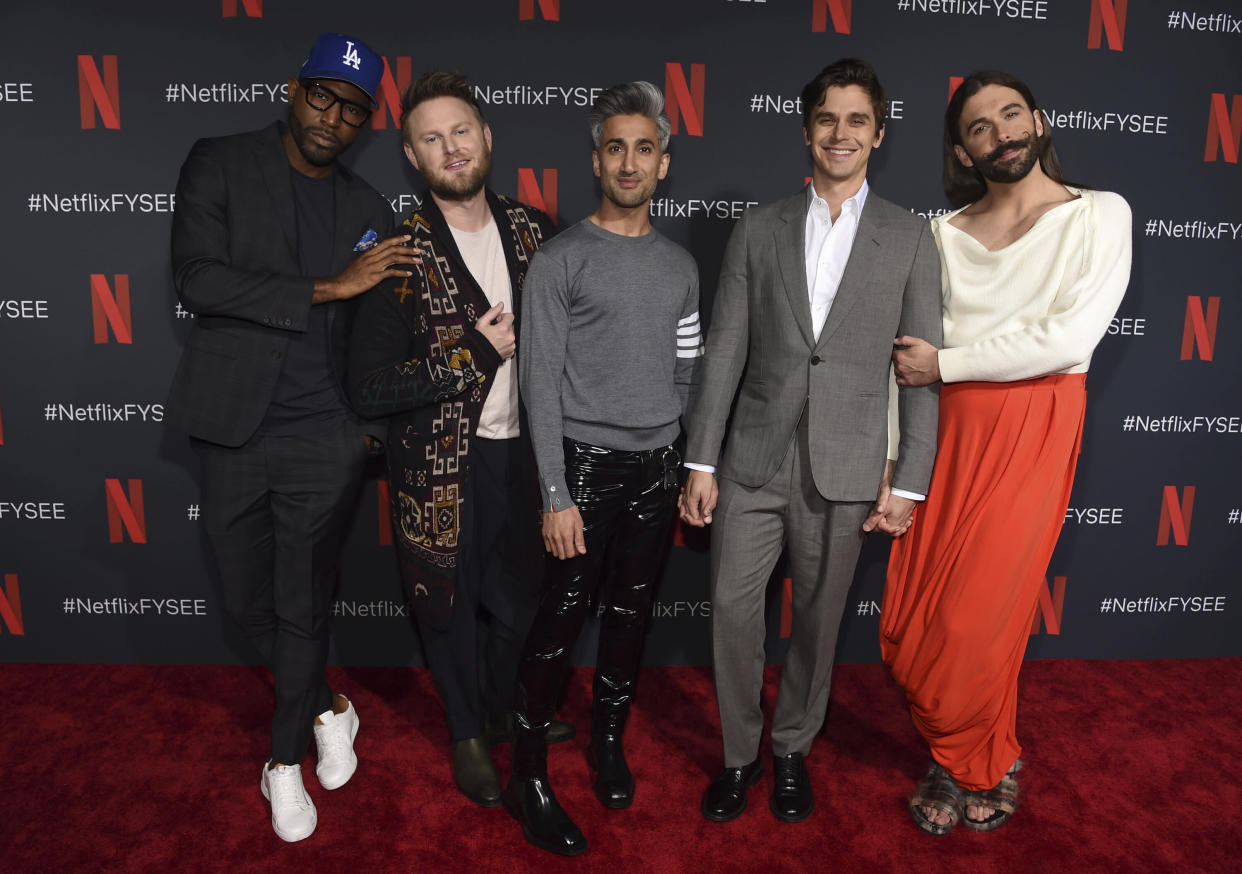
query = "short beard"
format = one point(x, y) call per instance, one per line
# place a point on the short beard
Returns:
point(628, 199)
point(994, 172)
point(462, 188)
point(631, 198)
point(315, 154)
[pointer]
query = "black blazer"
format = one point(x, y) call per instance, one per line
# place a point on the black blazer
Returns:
point(235, 265)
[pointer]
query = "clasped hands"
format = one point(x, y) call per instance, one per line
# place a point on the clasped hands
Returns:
point(891, 513)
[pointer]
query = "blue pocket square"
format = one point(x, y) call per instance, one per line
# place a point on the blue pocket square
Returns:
point(366, 241)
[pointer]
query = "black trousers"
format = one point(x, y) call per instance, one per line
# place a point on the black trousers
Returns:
point(626, 502)
point(275, 510)
point(474, 660)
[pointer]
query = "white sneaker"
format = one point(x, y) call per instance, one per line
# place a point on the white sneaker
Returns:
point(334, 740)
point(293, 814)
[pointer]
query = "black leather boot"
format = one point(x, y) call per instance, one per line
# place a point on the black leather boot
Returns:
point(474, 773)
point(614, 784)
point(499, 730)
point(529, 797)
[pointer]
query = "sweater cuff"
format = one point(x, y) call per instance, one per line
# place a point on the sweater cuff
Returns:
point(953, 363)
point(556, 495)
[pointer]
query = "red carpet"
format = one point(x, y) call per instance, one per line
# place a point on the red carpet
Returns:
point(1131, 767)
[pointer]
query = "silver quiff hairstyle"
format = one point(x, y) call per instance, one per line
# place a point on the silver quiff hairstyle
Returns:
point(631, 98)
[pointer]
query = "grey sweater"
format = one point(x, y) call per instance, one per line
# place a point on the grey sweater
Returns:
point(610, 345)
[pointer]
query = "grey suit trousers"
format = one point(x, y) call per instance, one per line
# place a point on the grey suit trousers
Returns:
point(751, 525)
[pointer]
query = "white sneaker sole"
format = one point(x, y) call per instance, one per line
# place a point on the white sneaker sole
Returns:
point(353, 761)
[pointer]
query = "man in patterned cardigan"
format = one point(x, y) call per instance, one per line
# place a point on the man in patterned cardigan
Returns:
point(434, 353)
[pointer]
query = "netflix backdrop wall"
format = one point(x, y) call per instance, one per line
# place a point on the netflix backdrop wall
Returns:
point(102, 557)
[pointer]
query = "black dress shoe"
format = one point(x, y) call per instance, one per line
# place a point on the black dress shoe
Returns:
point(725, 798)
point(614, 784)
point(500, 731)
point(544, 822)
point(792, 799)
point(474, 772)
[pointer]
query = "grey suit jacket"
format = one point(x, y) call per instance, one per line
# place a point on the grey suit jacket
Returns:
point(761, 337)
point(236, 267)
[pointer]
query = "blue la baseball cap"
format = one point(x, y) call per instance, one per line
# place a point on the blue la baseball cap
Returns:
point(337, 56)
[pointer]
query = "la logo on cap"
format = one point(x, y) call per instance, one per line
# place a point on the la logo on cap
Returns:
point(351, 57)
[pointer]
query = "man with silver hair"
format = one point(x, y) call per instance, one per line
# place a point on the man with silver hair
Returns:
point(608, 358)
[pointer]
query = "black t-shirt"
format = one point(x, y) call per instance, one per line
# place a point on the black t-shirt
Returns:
point(308, 395)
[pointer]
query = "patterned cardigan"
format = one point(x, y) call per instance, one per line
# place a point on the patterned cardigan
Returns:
point(416, 357)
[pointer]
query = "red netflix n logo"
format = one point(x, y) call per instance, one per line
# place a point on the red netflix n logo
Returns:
point(389, 95)
point(125, 511)
point(11, 606)
point(840, 10)
point(684, 100)
point(1051, 606)
point(529, 191)
point(102, 92)
point(1224, 129)
point(550, 10)
point(1108, 19)
point(1175, 516)
point(254, 8)
point(1199, 331)
point(111, 310)
point(955, 82)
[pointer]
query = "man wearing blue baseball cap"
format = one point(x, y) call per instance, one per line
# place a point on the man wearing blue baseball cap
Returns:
point(271, 242)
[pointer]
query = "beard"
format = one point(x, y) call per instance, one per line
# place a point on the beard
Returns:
point(1014, 170)
point(628, 198)
point(315, 154)
point(461, 186)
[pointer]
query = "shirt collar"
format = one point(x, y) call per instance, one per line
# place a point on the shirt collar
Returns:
point(816, 204)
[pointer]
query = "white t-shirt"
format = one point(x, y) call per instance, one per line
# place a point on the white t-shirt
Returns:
point(485, 259)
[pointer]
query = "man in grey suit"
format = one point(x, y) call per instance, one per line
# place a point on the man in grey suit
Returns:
point(813, 290)
point(270, 241)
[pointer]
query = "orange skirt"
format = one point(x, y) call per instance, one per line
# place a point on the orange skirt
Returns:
point(963, 583)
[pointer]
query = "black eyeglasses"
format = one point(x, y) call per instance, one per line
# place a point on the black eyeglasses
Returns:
point(320, 98)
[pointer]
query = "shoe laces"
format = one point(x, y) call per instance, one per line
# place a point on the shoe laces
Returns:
point(285, 784)
point(332, 736)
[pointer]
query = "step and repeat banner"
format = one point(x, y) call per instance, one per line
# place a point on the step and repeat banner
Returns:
point(101, 554)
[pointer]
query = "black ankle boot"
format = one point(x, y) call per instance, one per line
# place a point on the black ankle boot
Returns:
point(614, 784)
point(545, 823)
point(529, 797)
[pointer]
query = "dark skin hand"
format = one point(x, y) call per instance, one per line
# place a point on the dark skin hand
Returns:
point(367, 270)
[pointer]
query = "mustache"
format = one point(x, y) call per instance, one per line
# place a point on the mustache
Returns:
point(1023, 143)
point(323, 133)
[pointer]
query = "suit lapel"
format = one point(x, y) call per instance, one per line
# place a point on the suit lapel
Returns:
point(350, 222)
point(274, 166)
point(791, 257)
point(864, 261)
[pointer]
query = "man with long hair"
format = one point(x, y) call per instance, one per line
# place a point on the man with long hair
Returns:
point(1034, 269)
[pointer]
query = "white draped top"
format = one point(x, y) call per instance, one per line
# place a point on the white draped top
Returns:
point(1041, 304)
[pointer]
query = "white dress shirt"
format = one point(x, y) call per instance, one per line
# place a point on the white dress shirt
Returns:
point(828, 246)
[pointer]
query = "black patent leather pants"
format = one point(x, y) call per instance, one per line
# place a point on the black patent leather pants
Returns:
point(626, 501)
